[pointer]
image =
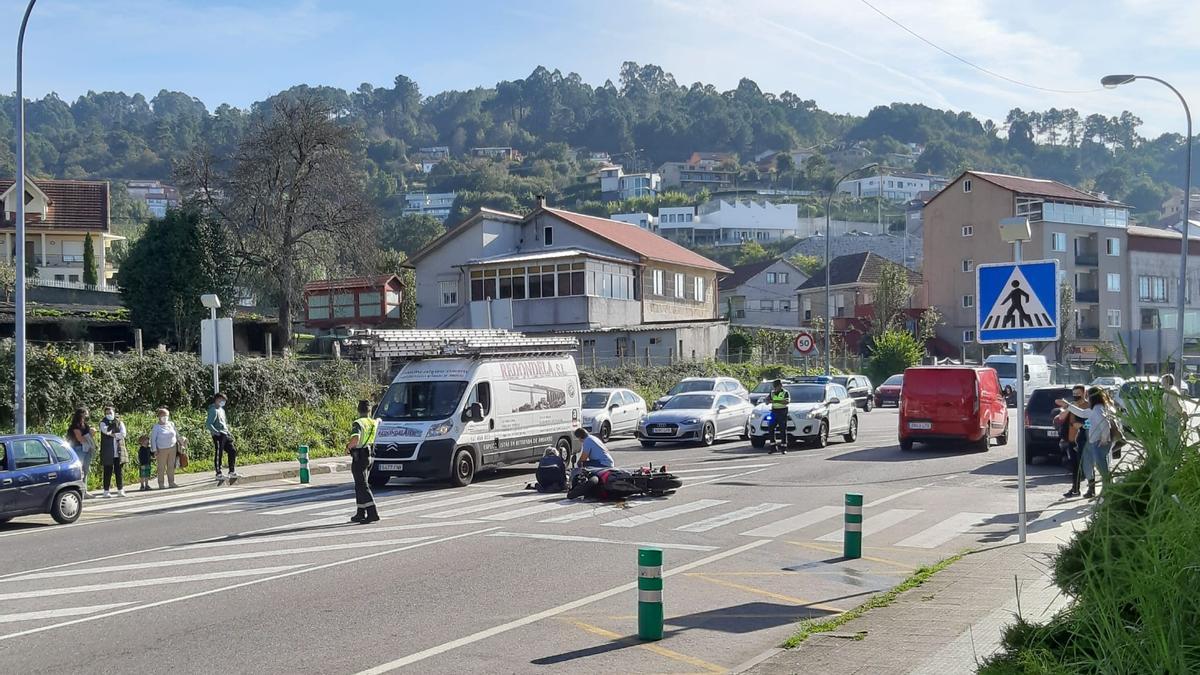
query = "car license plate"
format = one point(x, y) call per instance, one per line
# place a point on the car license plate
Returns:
point(390, 467)
point(660, 430)
point(920, 425)
point(1051, 433)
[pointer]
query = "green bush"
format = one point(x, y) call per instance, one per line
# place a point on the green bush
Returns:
point(891, 352)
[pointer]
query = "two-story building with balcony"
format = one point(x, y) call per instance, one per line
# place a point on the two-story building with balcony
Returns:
point(1085, 232)
point(623, 290)
point(59, 216)
point(1152, 332)
point(762, 294)
point(436, 204)
point(691, 178)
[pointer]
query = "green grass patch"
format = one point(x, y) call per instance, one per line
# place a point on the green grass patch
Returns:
point(813, 626)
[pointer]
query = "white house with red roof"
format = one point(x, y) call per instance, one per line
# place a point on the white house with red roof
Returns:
point(623, 291)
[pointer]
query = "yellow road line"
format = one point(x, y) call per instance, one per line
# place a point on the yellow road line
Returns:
point(766, 593)
point(657, 649)
point(830, 549)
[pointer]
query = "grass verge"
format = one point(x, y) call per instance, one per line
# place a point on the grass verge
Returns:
point(813, 626)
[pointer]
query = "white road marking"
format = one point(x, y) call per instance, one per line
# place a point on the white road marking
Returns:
point(597, 540)
point(945, 530)
point(663, 514)
point(149, 503)
point(321, 504)
point(711, 480)
point(243, 584)
point(884, 500)
point(596, 510)
point(533, 618)
point(875, 524)
point(787, 525)
point(719, 466)
point(422, 505)
point(530, 510)
point(226, 512)
point(476, 508)
point(731, 517)
point(59, 613)
point(207, 498)
point(141, 583)
point(342, 532)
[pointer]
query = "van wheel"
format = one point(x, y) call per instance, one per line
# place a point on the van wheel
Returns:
point(605, 431)
point(906, 445)
point(378, 480)
point(463, 469)
point(822, 438)
point(851, 434)
point(1002, 439)
point(869, 406)
point(68, 504)
point(709, 435)
point(565, 449)
point(984, 444)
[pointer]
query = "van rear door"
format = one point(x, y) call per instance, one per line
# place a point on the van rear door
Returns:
point(939, 395)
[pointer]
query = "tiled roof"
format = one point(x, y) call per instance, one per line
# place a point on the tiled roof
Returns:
point(74, 204)
point(1038, 187)
point(349, 282)
point(860, 268)
point(633, 238)
point(743, 273)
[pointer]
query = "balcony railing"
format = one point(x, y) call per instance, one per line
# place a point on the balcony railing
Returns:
point(1088, 295)
point(1087, 333)
point(1087, 259)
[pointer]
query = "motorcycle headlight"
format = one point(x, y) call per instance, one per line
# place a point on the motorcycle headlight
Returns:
point(440, 429)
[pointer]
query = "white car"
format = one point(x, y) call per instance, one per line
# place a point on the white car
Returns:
point(711, 385)
point(608, 412)
point(816, 411)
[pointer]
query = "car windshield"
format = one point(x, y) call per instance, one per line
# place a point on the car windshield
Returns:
point(411, 401)
point(690, 402)
point(692, 385)
point(594, 400)
point(894, 381)
point(806, 393)
point(1004, 371)
point(844, 381)
point(764, 387)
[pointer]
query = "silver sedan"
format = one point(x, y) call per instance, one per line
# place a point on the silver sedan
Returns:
point(696, 418)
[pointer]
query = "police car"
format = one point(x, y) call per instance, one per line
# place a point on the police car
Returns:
point(819, 407)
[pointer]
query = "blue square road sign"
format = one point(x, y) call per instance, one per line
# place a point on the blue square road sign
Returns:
point(1017, 302)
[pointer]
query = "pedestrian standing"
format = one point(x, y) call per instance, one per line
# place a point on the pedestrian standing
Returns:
point(145, 458)
point(164, 440)
point(113, 453)
point(1172, 402)
point(1071, 435)
point(361, 447)
point(1099, 438)
point(780, 400)
point(82, 441)
point(218, 427)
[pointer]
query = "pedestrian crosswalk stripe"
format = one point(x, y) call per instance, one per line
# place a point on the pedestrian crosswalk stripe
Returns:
point(388, 509)
point(787, 525)
point(944, 531)
point(59, 613)
point(876, 523)
point(132, 567)
point(663, 514)
point(305, 536)
point(203, 497)
point(142, 583)
point(321, 504)
point(476, 508)
point(530, 510)
point(175, 495)
point(598, 540)
point(897, 495)
point(594, 511)
point(731, 517)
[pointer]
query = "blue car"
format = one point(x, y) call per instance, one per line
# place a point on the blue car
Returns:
point(40, 474)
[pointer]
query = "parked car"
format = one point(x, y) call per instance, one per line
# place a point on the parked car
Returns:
point(1041, 433)
point(40, 474)
point(1108, 382)
point(700, 418)
point(859, 388)
point(759, 394)
point(607, 412)
point(817, 410)
point(717, 385)
point(889, 391)
point(952, 403)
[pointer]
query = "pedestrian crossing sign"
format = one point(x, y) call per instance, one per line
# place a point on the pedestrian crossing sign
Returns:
point(1017, 302)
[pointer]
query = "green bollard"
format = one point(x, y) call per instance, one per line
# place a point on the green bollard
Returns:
point(852, 539)
point(650, 587)
point(302, 454)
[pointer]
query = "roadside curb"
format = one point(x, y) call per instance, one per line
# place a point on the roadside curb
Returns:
point(314, 468)
point(746, 665)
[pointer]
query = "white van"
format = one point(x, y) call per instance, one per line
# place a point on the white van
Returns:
point(1037, 373)
point(447, 418)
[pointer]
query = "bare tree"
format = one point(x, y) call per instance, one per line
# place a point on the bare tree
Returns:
point(293, 195)
point(892, 296)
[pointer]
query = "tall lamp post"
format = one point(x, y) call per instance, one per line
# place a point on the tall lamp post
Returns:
point(1112, 82)
point(19, 290)
point(828, 238)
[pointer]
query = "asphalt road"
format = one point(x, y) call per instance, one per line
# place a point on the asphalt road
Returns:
point(270, 577)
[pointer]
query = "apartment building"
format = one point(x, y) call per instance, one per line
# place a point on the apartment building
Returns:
point(895, 186)
point(691, 178)
point(1085, 232)
point(1152, 332)
point(436, 204)
point(616, 185)
point(159, 198)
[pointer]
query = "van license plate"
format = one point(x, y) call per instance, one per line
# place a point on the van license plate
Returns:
point(390, 467)
point(920, 425)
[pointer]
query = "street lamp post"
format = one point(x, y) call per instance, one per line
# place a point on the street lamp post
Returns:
point(828, 238)
point(19, 290)
point(1111, 82)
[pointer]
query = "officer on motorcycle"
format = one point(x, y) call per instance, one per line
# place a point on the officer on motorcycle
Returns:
point(780, 400)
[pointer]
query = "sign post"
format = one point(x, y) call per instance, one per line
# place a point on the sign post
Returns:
point(1017, 303)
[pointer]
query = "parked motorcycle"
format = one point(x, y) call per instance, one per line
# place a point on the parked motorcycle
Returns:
point(617, 484)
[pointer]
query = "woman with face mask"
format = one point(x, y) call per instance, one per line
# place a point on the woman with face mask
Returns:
point(164, 441)
point(81, 438)
point(113, 453)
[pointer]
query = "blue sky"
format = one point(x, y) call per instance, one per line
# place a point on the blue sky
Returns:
point(838, 52)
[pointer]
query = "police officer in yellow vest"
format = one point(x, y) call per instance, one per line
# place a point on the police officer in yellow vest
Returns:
point(361, 447)
point(780, 399)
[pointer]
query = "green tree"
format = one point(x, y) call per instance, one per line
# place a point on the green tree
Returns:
point(891, 297)
point(809, 264)
point(182, 257)
point(892, 352)
point(8, 279)
point(410, 233)
point(89, 261)
point(751, 252)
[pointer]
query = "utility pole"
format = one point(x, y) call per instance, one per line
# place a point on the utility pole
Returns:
point(19, 291)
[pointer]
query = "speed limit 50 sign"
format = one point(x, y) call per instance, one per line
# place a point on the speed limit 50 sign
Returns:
point(805, 344)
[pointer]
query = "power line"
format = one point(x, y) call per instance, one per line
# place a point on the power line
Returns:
point(972, 64)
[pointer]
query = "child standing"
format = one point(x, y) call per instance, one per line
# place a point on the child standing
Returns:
point(145, 456)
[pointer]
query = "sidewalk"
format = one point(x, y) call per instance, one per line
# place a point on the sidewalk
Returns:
point(948, 625)
point(254, 473)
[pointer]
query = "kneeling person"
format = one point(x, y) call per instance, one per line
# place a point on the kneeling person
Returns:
point(592, 452)
point(361, 444)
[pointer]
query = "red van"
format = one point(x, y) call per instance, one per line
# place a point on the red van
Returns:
point(952, 403)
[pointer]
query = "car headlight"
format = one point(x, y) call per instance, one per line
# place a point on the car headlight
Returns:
point(588, 421)
point(692, 420)
point(440, 429)
point(817, 413)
